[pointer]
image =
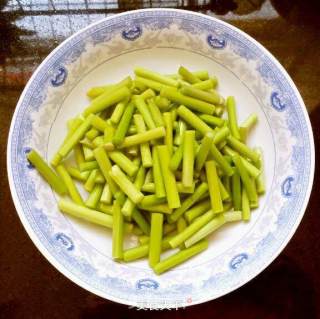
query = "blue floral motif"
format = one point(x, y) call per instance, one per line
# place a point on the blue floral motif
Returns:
point(276, 102)
point(286, 187)
point(237, 260)
point(147, 283)
point(27, 150)
point(65, 240)
point(215, 42)
point(132, 34)
point(59, 77)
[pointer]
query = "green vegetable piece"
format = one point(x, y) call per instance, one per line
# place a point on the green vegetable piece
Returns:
point(214, 187)
point(246, 212)
point(144, 111)
point(260, 180)
point(98, 141)
point(125, 184)
point(181, 225)
point(194, 104)
point(243, 149)
point(136, 252)
point(176, 159)
point(193, 120)
point(223, 191)
point(98, 123)
point(203, 152)
point(162, 103)
point(106, 100)
point(96, 91)
point(180, 257)
point(197, 210)
point(246, 180)
point(155, 238)
point(141, 221)
point(187, 203)
point(88, 166)
point(137, 231)
point(212, 97)
point(147, 94)
point(123, 162)
point(139, 138)
point(87, 143)
point(167, 117)
point(149, 176)
point(109, 133)
point(129, 205)
point(188, 76)
point(91, 134)
point(132, 129)
point(46, 172)
point(88, 214)
point(232, 216)
point(71, 187)
point(247, 125)
point(155, 85)
point(219, 111)
point(220, 134)
point(212, 120)
point(75, 173)
point(206, 230)
point(169, 228)
point(232, 117)
point(144, 239)
point(124, 124)
point(214, 80)
point(181, 128)
point(89, 184)
point(106, 196)
point(168, 177)
point(78, 134)
point(143, 250)
point(150, 200)
point(188, 158)
point(104, 164)
point(252, 170)
point(191, 229)
point(73, 125)
point(94, 197)
point(159, 208)
point(78, 154)
point(201, 74)
point(117, 231)
point(160, 191)
point(118, 111)
point(88, 154)
point(236, 190)
point(204, 85)
point(221, 161)
point(155, 113)
point(99, 178)
point(142, 72)
point(144, 148)
point(104, 208)
point(148, 188)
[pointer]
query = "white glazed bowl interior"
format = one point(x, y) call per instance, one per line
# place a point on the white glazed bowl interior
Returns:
point(163, 40)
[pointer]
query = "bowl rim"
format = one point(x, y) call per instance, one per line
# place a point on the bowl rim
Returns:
point(73, 277)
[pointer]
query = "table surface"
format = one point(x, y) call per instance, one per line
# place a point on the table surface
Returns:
point(30, 287)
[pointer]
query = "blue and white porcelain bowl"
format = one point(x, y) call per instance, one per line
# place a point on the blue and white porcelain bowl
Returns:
point(163, 39)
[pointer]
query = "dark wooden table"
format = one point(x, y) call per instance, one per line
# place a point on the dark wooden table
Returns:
point(31, 288)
